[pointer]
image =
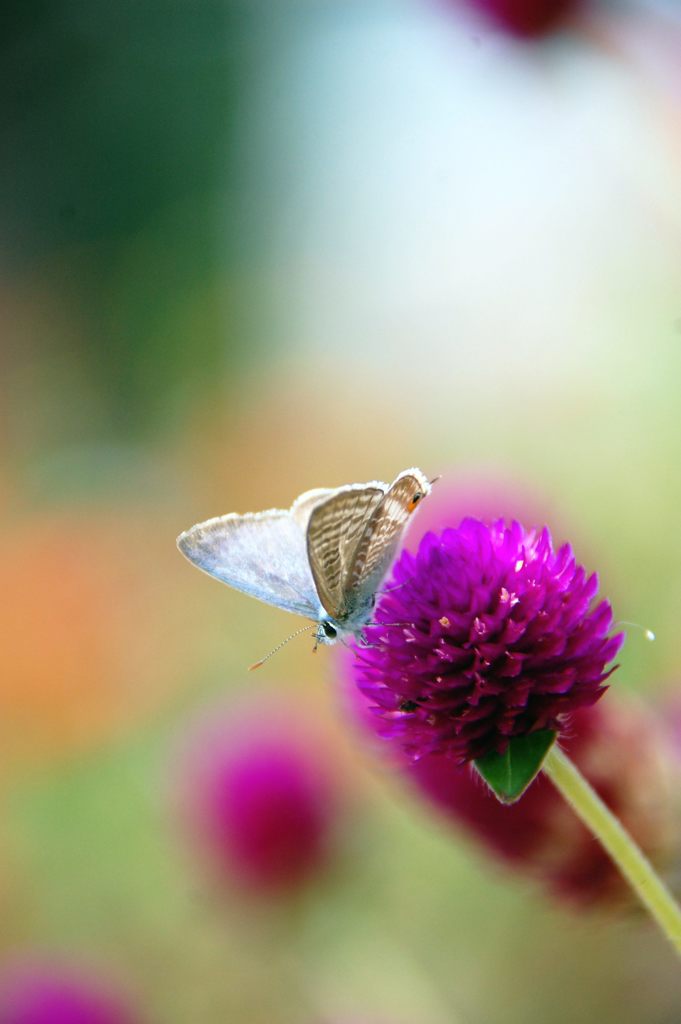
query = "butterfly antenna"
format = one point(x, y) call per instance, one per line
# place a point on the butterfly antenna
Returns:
point(304, 629)
point(435, 479)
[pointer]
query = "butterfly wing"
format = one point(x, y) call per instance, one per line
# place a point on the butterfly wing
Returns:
point(302, 507)
point(377, 547)
point(335, 527)
point(263, 554)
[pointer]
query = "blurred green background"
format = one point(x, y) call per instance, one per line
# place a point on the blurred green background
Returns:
point(248, 249)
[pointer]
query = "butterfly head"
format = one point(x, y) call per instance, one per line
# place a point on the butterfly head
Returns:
point(328, 632)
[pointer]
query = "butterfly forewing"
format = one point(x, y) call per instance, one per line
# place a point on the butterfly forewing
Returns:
point(262, 554)
point(336, 526)
point(376, 549)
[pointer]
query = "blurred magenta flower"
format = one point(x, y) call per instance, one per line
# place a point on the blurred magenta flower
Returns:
point(488, 494)
point(631, 757)
point(526, 18)
point(263, 796)
point(625, 754)
point(485, 634)
point(41, 993)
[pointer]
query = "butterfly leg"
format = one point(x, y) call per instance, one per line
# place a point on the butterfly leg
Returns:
point(398, 586)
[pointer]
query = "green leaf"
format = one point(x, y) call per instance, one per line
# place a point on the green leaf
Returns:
point(509, 774)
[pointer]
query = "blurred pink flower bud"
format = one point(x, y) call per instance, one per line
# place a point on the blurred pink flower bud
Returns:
point(40, 993)
point(624, 752)
point(487, 494)
point(526, 18)
point(262, 795)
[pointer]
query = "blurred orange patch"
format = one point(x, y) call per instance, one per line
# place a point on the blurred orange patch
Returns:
point(87, 628)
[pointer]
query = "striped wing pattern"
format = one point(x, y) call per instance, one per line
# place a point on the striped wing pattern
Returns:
point(335, 529)
point(378, 545)
point(333, 546)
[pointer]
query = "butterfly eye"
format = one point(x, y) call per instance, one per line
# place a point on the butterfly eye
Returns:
point(330, 632)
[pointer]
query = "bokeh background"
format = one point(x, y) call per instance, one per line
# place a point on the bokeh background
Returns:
point(248, 249)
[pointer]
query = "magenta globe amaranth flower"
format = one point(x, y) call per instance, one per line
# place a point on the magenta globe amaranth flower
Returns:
point(484, 635)
point(481, 492)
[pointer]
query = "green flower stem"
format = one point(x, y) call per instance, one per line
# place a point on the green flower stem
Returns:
point(633, 864)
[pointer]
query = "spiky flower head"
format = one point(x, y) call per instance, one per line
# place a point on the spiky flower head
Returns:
point(485, 634)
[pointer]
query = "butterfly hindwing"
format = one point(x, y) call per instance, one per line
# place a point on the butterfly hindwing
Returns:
point(262, 554)
point(376, 549)
point(335, 528)
point(302, 507)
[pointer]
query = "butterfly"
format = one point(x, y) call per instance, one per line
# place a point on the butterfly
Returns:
point(324, 557)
